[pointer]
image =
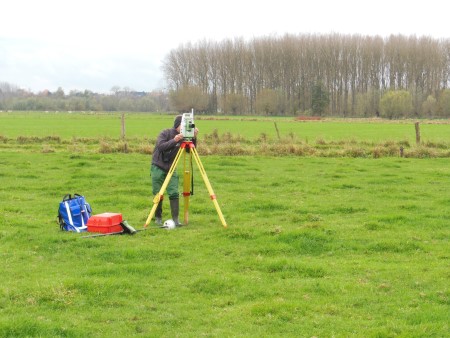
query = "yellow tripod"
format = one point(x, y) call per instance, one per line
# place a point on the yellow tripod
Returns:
point(186, 183)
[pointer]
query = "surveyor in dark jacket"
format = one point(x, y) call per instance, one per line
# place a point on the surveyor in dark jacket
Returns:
point(166, 149)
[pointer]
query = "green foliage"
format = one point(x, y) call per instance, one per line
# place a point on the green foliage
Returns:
point(319, 99)
point(396, 104)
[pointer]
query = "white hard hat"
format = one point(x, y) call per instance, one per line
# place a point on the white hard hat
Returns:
point(169, 224)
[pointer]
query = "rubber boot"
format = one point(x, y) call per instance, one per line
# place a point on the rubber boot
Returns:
point(175, 209)
point(158, 214)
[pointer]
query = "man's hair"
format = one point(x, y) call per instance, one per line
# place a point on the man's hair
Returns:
point(177, 121)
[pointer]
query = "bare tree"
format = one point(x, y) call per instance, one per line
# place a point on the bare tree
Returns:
point(354, 70)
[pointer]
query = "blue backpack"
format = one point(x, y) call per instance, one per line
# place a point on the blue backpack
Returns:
point(73, 213)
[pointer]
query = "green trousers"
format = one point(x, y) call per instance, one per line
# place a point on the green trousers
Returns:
point(158, 176)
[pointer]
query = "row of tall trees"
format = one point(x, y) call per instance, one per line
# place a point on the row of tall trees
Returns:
point(335, 75)
point(14, 98)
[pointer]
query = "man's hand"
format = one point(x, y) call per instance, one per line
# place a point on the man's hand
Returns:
point(178, 137)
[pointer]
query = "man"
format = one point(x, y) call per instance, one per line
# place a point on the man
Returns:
point(166, 149)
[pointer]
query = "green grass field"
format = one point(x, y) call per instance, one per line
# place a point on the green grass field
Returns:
point(101, 133)
point(79, 125)
point(315, 246)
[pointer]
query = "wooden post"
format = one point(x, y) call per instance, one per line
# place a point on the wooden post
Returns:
point(125, 145)
point(123, 127)
point(417, 133)
point(276, 128)
point(401, 151)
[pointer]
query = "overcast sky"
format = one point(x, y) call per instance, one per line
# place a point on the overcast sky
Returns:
point(95, 45)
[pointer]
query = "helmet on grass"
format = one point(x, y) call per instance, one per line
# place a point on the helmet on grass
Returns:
point(169, 224)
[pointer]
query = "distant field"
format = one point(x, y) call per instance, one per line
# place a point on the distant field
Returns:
point(334, 245)
point(68, 125)
point(101, 132)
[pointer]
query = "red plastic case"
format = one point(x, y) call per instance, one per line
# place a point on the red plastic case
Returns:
point(105, 223)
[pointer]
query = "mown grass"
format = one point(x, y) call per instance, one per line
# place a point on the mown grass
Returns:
point(315, 247)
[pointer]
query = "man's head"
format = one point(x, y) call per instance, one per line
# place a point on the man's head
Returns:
point(177, 121)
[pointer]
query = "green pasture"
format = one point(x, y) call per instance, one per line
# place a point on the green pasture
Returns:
point(69, 125)
point(315, 246)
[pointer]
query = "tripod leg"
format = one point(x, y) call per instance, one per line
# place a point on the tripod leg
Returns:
point(159, 195)
point(208, 185)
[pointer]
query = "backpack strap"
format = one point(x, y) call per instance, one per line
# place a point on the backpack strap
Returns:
point(59, 217)
point(60, 221)
point(69, 213)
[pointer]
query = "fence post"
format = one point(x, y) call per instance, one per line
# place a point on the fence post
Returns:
point(417, 133)
point(125, 145)
point(276, 128)
point(123, 127)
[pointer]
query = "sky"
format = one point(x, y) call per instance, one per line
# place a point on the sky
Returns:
point(96, 45)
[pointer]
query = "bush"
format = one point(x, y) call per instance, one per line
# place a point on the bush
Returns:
point(396, 104)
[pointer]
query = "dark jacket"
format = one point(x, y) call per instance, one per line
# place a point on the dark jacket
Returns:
point(166, 149)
